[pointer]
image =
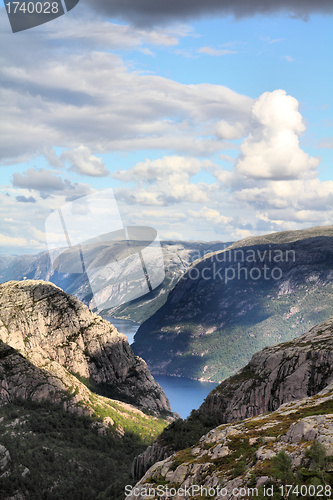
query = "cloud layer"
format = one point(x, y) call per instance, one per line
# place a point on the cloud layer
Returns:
point(150, 12)
point(91, 99)
point(78, 100)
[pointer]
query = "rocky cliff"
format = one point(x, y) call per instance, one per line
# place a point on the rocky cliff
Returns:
point(56, 332)
point(230, 304)
point(20, 379)
point(274, 376)
point(292, 445)
point(58, 437)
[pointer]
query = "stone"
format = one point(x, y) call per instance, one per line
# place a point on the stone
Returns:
point(220, 451)
point(4, 457)
point(261, 481)
point(25, 472)
point(57, 332)
point(264, 454)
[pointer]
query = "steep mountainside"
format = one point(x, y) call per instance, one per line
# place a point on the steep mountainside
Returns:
point(255, 458)
point(59, 439)
point(59, 436)
point(275, 376)
point(230, 304)
point(57, 333)
point(177, 257)
point(24, 383)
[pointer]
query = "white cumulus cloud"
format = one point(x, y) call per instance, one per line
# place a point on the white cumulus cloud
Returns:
point(83, 162)
point(272, 150)
point(166, 180)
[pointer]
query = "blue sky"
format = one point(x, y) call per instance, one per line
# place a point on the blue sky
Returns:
point(210, 128)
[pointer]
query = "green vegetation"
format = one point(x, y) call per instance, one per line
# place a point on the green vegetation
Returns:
point(182, 434)
point(317, 475)
point(66, 454)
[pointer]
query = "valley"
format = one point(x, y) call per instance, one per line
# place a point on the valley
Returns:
point(76, 397)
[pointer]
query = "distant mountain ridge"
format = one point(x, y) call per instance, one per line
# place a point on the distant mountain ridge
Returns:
point(177, 255)
point(258, 292)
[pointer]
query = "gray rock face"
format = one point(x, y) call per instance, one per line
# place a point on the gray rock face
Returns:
point(20, 379)
point(47, 327)
point(4, 458)
point(231, 304)
point(151, 455)
point(315, 428)
point(206, 466)
point(274, 376)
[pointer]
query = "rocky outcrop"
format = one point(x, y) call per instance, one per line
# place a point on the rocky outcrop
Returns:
point(234, 461)
point(55, 331)
point(154, 453)
point(22, 380)
point(4, 458)
point(230, 304)
point(274, 376)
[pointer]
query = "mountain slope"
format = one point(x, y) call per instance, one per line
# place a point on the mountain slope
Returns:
point(24, 383)
point(56, 332)
point(293, 445)
point(230, 304)
point(275, 376)
point(58, 438)
point(58, 441)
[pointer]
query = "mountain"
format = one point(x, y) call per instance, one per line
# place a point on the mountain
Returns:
point(24, 384)
point(282, 400)
point(229, 304)
point(177, 257)
point(67, 377)
point(56, 332)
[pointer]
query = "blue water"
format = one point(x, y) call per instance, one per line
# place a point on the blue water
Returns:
point(128, 328)
point(184, 394)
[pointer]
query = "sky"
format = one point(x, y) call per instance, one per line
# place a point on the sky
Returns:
point(210, 120)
